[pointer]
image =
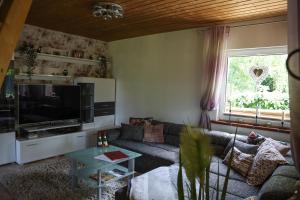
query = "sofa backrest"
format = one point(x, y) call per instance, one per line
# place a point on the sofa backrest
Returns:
point(219, 139)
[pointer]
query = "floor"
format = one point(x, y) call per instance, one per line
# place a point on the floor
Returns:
point(49, 179)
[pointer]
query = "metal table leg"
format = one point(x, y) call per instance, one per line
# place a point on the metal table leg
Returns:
point(99, 192)
point(73, 174)
point(131, 164)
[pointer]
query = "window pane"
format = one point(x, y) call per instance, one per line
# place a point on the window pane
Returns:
point(246, 95)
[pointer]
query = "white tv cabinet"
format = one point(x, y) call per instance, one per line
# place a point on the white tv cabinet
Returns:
point(29, 150)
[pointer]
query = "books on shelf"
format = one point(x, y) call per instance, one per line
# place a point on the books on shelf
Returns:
point(107, 176)
point(111, 156)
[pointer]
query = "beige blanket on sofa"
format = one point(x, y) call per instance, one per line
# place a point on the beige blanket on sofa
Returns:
point(158, 184)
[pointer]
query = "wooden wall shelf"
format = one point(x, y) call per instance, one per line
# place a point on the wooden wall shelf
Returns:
point(43, 77)
point(67, 59)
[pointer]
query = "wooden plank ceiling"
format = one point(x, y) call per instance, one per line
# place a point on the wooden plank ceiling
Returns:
point(143, 17)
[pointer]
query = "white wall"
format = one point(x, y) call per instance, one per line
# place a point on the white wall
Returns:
point(158, 76)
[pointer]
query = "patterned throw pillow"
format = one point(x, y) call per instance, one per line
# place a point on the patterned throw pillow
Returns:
point(283, 149)
point(153, 133)
point(241, 162)
point(139, 121)
point(265, 162)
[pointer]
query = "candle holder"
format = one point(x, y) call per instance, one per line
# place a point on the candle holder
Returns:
point(229, 119)
point(256, 115)
point(282, 119)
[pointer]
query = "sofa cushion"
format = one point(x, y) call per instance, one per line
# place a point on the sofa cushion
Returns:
point(172, 140)
point(265, 162)
point(223, 138)
point(281, 185)
point(154, 133)
point(156, 150)
point(136, 121)
point(173, 129)
point(288, 171)
point(242, 146)
point(131, 132)
point(283, 149)
point(223, 169)
point(235, 187)
point(241, 162)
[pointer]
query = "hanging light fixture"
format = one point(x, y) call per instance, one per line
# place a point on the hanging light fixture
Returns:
point(108, 10)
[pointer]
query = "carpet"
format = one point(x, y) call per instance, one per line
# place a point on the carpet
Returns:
point(49, 180)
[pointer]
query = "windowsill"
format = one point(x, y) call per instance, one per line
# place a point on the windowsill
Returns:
point(247, 115)
point(253, 126)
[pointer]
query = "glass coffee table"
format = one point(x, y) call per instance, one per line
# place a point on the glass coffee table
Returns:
point(84, 165)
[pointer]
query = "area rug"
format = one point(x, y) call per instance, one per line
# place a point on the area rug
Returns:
point(50, 179)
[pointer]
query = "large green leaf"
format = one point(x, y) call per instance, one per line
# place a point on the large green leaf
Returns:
point(223, 196)
point(180, 188)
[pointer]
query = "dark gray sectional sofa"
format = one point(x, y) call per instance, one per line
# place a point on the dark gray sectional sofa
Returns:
point(279, 186)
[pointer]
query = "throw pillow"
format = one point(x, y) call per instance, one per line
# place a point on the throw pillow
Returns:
point(283, 149)
point(131, 132)
point(242, 146)
point(241, 162)
point(153, 133)
point(265, 162)
point(139, 121)
point(254, 138)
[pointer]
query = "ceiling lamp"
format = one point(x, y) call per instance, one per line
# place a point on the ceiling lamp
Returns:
point(107, 10)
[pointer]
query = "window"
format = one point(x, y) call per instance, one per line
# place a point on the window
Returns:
point(257, 84)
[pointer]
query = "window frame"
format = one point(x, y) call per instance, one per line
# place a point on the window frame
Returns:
point(261, 51)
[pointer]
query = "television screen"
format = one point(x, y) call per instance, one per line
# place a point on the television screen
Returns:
point(44, 103)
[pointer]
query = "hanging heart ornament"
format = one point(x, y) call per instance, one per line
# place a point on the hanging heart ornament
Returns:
point(259, 73)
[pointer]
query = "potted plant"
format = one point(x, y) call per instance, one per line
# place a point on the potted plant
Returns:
point(29, 54)
point(195, 158)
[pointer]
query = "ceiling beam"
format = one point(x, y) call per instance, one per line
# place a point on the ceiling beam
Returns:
point(10, 30)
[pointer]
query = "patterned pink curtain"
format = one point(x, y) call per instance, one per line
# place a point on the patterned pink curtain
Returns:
point(213, 70)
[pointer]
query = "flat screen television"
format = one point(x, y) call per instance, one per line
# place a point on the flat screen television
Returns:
point(47, 103)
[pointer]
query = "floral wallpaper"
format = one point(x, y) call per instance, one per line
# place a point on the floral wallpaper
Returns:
point(54, 42)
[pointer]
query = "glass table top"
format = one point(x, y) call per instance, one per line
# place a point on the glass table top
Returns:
point(86, 156)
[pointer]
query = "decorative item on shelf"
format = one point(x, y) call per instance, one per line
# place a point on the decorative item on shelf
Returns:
point(39, 50)
point(103, 67)
point(65, 72)
point(102, 139)
point(282, 119)
point(77, 54)
point(29, 54)
point(256, 115)
point(105, 141)
point(259, 73)
point(108, 10)
point(229, 110)
point(99, 139)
